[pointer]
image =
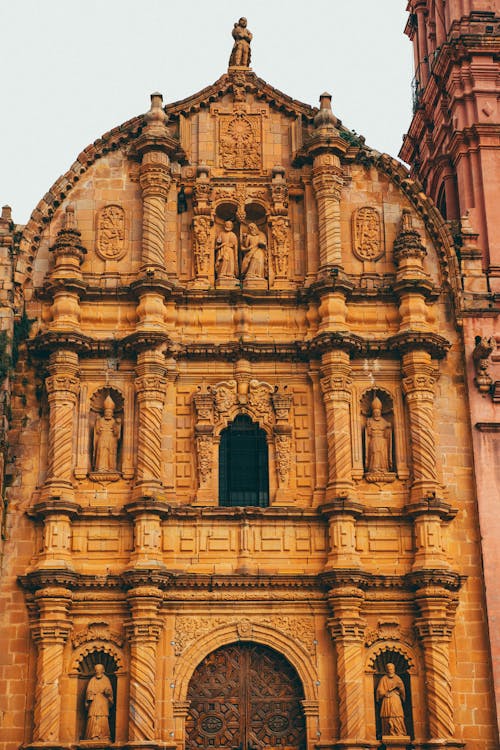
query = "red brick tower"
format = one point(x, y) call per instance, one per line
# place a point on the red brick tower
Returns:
point(453, 147)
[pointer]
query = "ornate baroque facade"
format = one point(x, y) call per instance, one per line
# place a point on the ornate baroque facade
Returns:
point(240, 507)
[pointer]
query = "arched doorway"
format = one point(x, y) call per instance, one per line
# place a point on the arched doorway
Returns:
point(248, 697)
point(243, 464)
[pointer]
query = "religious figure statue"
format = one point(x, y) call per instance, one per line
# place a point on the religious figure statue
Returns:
point(378, 438)
point(240, 54)
point(254, 247)
point(107, 431)
point(98, 699)
point(391, 693)
point(226, 249)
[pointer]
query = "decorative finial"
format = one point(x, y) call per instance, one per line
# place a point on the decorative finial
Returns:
point(156, 112)
point(240, 54)
point(69, 219)
point(325, 117)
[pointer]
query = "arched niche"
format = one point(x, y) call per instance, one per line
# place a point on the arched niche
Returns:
point(378, 439)
point(97, 404)
point(243, 464)
point(406, 664)
point(74, 686)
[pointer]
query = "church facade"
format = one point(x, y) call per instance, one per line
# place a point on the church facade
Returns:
point(240, 507)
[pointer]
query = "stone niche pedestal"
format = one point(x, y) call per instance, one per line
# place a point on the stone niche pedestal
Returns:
point(396, 742)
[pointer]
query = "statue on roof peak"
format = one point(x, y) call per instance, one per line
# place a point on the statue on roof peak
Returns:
point(240, 54)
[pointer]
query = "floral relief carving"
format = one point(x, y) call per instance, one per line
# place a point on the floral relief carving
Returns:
point(259, 396)
point(367, 234)
point(239, 141)
point(189, 629)
point(111, 233)
point(97, 631)
point(201, 234)
point(280, 252)
point(225, 396)
point(389, 630)
point(204, 450)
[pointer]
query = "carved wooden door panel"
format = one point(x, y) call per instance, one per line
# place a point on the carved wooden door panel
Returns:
point(246, 697)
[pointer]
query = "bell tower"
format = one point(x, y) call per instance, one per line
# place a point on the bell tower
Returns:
point(453, 147)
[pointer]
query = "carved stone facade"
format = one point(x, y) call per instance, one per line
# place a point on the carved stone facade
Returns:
point(239, 445)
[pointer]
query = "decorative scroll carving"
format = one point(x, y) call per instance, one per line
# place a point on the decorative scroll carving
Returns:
point(188, 629)
point(280, 233)
point(201, 235)
point(282, 403)
point(240, 144)
point(225, 396)
point(111, 233)
point(480, 356)
point(367, 234)
point(389, 630)
point(259, 397)
point(97, 631)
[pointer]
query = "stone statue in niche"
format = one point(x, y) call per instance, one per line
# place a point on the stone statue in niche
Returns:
point(107, 431)
point(378, 445)
point(226, 254)
point(253, 247)
point(391, 694)
point(98, 700)
point(240, 54)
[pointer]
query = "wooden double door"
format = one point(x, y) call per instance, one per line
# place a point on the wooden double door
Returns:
point(245, 696)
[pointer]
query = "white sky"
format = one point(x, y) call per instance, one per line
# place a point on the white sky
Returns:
point(74, 69)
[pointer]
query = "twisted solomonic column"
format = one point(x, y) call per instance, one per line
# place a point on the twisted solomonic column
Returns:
point(419, 378)
point(336, 387)
point(150, 386)
point(434, 628)
point(143, 631)
point(50, 632)
point(63, 387)
point(347, 630)
point(327, 183)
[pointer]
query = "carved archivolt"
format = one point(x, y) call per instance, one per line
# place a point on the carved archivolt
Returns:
point(97, 646)
point(111, 233)
point(367, 234)
point(189, 629)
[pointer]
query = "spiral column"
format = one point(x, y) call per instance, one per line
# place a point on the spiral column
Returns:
point(336, 387)
point(63, 386)
point(143, 631)
point(50, 632)
point(347, 629)
point(150, 386)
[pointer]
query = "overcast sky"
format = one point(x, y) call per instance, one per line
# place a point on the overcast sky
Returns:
point(74, 69)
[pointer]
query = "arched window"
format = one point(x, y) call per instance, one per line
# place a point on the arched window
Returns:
point(243, 464)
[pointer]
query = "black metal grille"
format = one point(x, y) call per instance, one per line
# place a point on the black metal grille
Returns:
point(243, 464)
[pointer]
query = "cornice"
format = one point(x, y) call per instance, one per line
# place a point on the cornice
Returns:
point(165, 580)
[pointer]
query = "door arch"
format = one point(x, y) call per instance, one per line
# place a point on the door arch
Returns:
point(245, 696)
